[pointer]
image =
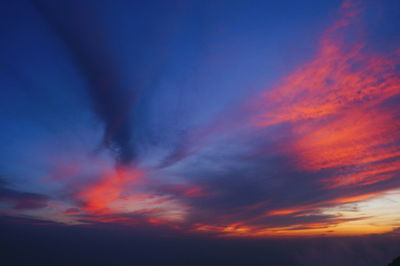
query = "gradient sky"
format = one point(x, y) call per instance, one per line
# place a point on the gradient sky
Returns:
point(218, 118)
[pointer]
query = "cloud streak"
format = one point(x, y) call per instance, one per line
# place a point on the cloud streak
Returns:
point(111, 99)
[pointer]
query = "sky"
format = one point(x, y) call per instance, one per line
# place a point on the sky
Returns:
point(205, 121)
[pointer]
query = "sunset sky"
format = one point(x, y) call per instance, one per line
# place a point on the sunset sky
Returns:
point(214, 119)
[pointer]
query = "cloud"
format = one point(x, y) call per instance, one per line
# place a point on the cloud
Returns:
point(22, 200)
point(105, 245)
point(112, 99)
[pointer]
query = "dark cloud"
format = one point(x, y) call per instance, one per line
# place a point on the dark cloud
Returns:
point(111, 97)
point(22, 200)
point(246, 187)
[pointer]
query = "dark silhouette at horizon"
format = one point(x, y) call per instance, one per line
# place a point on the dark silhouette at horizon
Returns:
point(395, 262)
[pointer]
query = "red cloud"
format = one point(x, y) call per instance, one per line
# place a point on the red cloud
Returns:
point(335, 106)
